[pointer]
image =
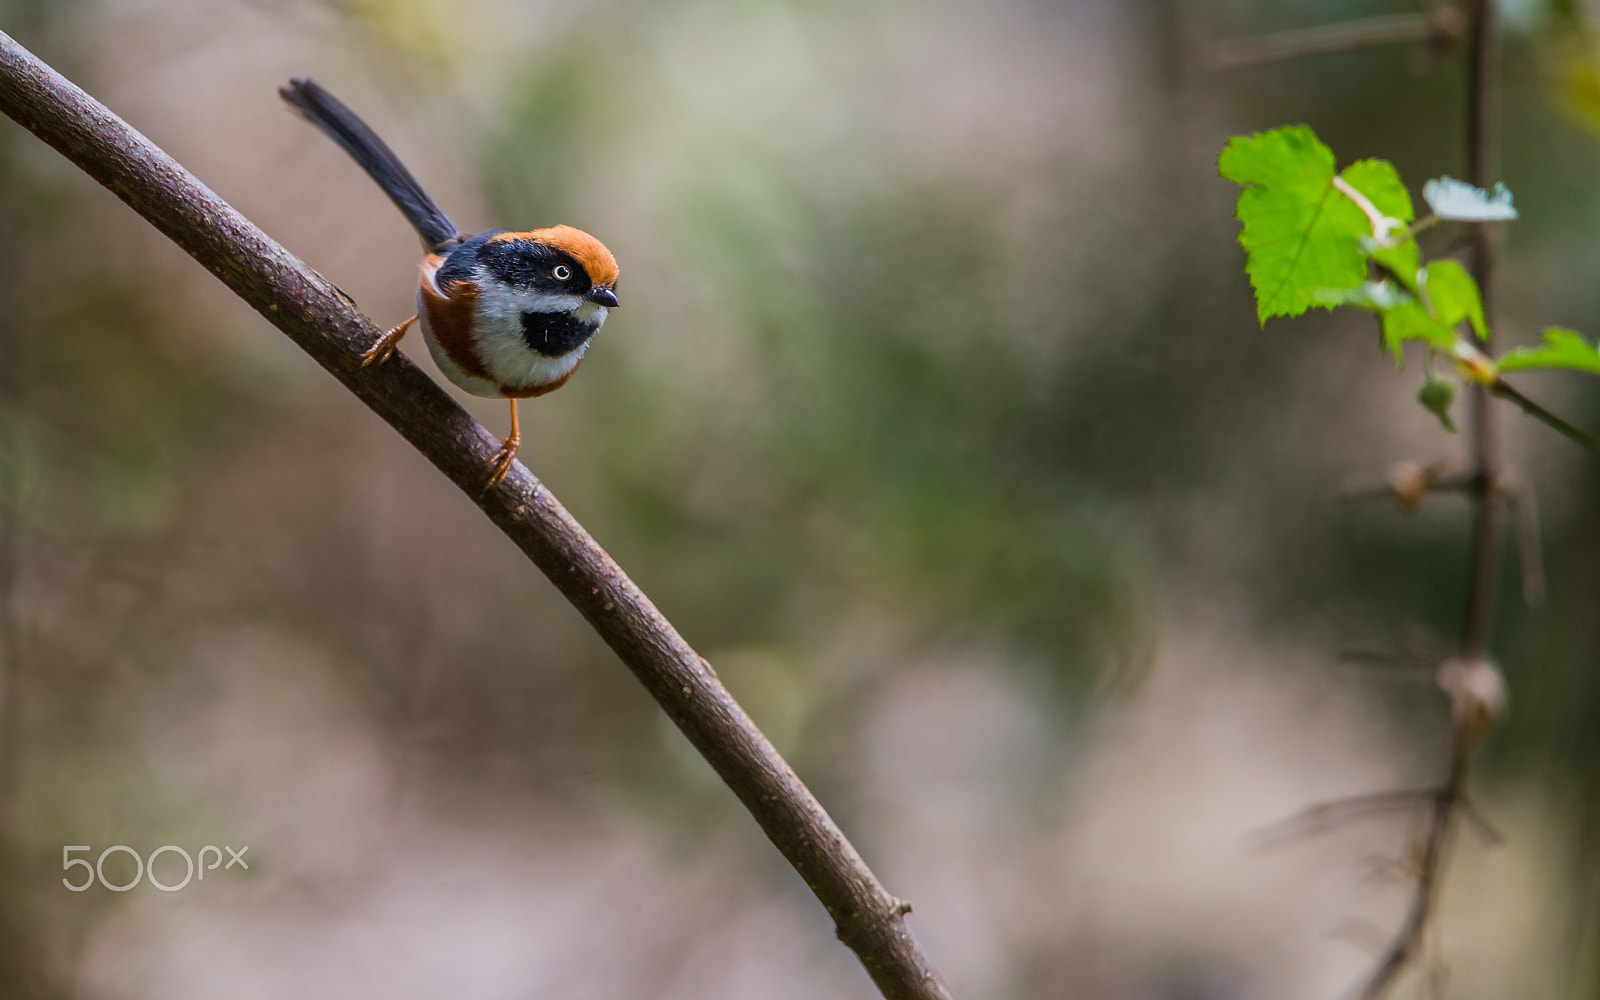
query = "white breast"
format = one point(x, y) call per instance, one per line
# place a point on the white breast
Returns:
point(499, 333)
point(497, 337)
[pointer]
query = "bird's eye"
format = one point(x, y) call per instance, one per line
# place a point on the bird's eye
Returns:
point(562, 272)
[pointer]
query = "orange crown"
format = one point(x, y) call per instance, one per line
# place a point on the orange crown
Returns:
point(585, 249)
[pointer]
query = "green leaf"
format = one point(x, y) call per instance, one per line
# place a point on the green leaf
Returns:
point(1454, 296)
point(1409, 321)
point(1301, 234)
point(1460, 201)
point(1403, 261)
point(1562, 349)
point(1403, 317)
point(1380, 182)
point(1436, 395)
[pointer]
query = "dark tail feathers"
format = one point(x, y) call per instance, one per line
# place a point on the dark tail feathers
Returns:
point(328, 113)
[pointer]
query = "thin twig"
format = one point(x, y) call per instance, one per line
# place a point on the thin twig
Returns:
point(1408, 484)
point(1429, 869)
point(1474, 685)
point(1505, 390)
point(1525, 511)
point(1326, 816)
point(329, 327)
point(1486, 831)
point(1404, 668)
point(1483, 84)
point(1440, 26)
point(1530, 544)
point(1364, 934)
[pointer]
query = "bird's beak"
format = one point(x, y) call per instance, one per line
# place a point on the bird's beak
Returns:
point(603, 297)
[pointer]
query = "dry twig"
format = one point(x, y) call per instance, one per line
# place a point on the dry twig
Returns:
point(1409, 485)
point(1440, 26)
point(1470, 680)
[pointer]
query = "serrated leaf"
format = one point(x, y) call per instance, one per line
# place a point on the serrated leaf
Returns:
point(1562, 349)
point(1380, 182)
point(1454, 296)
point(1403, 261)
point(1302, 235)
point(1409, 321)
point(1460, 201)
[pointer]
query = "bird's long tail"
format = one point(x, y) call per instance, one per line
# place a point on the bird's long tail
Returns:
point(328, 113)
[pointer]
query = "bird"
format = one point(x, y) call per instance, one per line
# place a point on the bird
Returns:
point(506, 314)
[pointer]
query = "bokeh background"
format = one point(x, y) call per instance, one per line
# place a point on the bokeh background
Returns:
point(936, 416)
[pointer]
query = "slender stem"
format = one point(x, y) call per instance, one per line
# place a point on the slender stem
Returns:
point(1321, 40)
point(1525, 508)
point(1430, 869)
point(1382, 225)
point(328, 326)
point(1486, 476)
point(1482, 104)
point(1505, 390)
point(1324, 816)
point(1424, 224)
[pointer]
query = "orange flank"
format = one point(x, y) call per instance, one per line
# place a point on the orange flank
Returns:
point(450, 321)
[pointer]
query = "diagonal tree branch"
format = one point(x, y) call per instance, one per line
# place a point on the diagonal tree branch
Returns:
point(327, 325)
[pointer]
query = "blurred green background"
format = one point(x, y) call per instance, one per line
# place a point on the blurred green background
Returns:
point(936, 416)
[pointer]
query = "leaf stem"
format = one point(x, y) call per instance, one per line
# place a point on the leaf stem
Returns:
point(1382, 225)
point(1423, 225)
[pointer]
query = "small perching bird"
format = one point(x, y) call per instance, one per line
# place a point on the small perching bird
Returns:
point(506, 315)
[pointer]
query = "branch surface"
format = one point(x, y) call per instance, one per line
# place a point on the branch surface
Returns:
point(327, 325)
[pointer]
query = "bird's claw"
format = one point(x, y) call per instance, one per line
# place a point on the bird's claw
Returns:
point(385, 347)
point(502, 463)
point(378, 353)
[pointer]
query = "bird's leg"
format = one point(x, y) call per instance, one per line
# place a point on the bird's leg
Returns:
point(508, 451)
point(385, 346)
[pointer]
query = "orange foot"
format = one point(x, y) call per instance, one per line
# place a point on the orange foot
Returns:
point(502, 461)
point(386, 344)
point(507, 453)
